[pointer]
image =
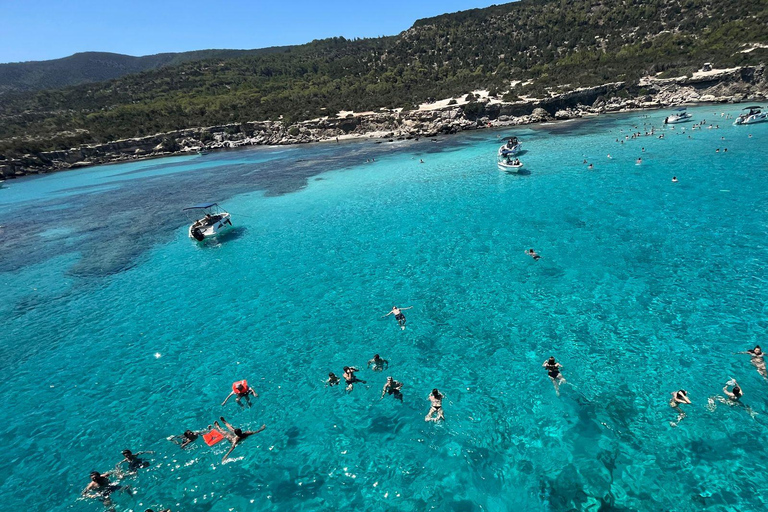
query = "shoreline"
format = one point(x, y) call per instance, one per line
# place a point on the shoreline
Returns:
point(444, 117)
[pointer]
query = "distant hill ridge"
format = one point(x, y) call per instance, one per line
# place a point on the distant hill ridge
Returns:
point(524, 49)
point(86, 67)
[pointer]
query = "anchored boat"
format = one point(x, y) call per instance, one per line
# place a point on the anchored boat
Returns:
point(512, 147)
point(681, 116)
point(213, 221)
point(754, 115)
point(509, 164)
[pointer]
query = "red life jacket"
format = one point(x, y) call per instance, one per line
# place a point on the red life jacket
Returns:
point(213, 437)
point(244, 384)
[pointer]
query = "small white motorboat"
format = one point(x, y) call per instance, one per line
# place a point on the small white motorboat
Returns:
point(512, 147)
point(214, 221)
point(754, 115)
point(681, 116)
point(508, 164)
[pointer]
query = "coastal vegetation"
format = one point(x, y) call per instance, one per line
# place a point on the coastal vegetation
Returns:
point(527, 48)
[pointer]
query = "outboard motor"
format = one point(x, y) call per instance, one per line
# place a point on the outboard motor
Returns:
point(198, 234)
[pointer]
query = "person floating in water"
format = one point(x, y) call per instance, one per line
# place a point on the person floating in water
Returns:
point(638, 161)
point(674, 179)
point(533, 254)
point(392, 387)
point(240, 390)
point(590, 166)
point(234, 435)
point(133, 460)
point(186, 438)
point(758, 360)
point(678, 397)
point(436, 399)
point(378, 364)
point(350, 378)
point(100, 488)
point(399, 316)
point(333, 380)
point(734, 397)
point(553, 370)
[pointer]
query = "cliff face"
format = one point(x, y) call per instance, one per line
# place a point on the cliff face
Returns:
point(734, 85)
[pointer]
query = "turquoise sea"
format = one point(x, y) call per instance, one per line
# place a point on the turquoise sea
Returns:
point(118, 331)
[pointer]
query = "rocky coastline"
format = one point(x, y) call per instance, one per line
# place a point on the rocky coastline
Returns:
point(734, 85)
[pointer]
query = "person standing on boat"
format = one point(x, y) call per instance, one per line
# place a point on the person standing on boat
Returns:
point(553, 370)
point(378, 364)
point(399, 316)
point(240, 390)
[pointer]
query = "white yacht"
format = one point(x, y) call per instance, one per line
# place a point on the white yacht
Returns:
point(752, 116)
point(209, 220)
point(512, 147)
point(680, 117)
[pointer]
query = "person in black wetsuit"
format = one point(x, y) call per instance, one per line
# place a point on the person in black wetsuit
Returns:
point(553, 370)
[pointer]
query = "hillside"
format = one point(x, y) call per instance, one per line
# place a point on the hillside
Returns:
point(531, 47)
point(87, 67)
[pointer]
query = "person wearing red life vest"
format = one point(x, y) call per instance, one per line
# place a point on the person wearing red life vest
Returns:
point(240, 390)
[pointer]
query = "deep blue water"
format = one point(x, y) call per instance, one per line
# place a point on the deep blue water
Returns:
point(118, 331)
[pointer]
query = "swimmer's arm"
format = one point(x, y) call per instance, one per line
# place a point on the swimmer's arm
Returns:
point(369, 363)
point(256, 431)
point(386, 362)
point(142, 453)
point(409, 307)
point(251, 391)
point(234, 443)
point(385, 316)
point(228, 397)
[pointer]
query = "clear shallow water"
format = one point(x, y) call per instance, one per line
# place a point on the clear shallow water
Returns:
point(644, 287)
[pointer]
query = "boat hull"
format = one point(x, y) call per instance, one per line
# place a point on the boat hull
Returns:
point(220, 226)
point(753, 119)
point(509, 168)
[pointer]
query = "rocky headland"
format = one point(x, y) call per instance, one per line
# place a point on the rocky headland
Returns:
point(733, 85)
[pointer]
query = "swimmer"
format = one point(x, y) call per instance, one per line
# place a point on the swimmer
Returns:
point(100, 488)
point(436, 399)
point(392, 387)
point(553, 370)
point(350, 378)
point(585, 161)
point(590, 166)
point(533, 254)
point(758, 360)
point(378, 364)
point(333, 380)
point(134, 462)
point(736, 393)
point(186, 438)
point(717, 150)
point(399, 316)
point(638, 161)
point(678, 397)
point(609, 157)
point(421, 161)
point(234, 435)
point(241, 390)
point(674, 179)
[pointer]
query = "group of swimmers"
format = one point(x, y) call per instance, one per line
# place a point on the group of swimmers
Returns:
point(733, 395)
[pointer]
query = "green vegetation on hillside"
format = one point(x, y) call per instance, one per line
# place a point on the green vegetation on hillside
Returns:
point(553, 42)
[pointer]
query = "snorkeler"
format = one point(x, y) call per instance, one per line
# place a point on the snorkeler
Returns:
point(436, 399)
point(533, 254)
point(399, 316)
point(553, 370)
point(392, 387)
point(378, 364)
point(758, 360)
point(184, 439)
point(240, 390)
point(678, 397)
point(350, 378)
point(234, 435)
point(134, 462)
point(333, 380)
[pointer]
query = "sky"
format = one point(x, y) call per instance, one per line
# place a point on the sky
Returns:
point(50, 29)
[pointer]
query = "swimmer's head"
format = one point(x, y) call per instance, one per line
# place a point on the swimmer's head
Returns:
point(127, 453)
point(95, 475)
point(240, 387)
point(552, 360)
point(346, 368)
point(238, 432)
point(758, 349)
point(332, 375)
point(375, 356)
point(737, 390)
point(389, 379)
point(435, 393)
